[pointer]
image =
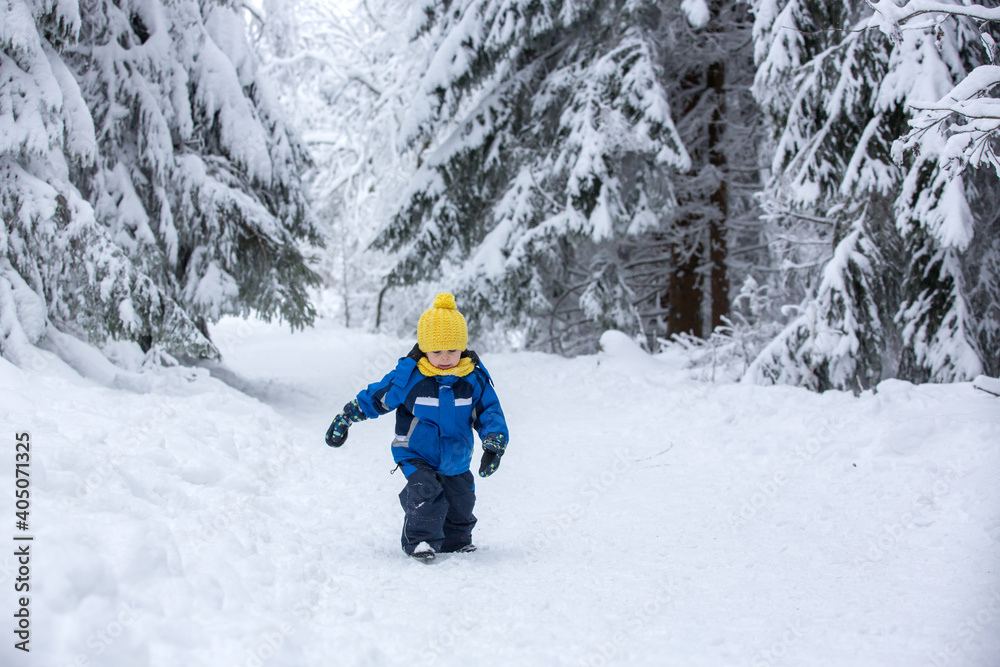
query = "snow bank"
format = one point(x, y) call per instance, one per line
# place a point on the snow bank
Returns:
point(987, 384)
point(638, 513)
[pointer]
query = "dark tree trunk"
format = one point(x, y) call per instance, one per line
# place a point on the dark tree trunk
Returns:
point(684, 296)
point(718, 247)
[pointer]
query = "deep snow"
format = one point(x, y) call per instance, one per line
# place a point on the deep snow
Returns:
point(640, 517)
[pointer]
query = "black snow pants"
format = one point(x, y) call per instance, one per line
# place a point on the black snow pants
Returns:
point(438, 508)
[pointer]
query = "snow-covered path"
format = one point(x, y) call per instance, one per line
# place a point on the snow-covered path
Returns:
point(639, 518)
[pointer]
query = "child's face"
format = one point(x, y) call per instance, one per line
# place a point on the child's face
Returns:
point(444, 359)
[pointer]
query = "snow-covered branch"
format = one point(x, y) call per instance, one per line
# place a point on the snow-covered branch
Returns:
point(889, 16)
point(969, 140)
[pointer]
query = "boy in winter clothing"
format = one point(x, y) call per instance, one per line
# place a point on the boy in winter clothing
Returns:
point(440, 392)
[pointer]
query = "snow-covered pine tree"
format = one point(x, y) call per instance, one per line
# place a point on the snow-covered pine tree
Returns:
point(197, 176)
point(706, 56)
point(818, 74)
point(58, 267)
point(345, 74)
point(550, 147)
point(982, 263)
point(839, 96)
point(945, 338)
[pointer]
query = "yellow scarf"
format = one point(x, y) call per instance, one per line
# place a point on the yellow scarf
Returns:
point(465, 366)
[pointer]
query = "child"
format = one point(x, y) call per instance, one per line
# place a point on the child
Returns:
point(440, 392)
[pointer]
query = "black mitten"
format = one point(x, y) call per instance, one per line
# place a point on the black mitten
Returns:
point(336, 435)
point(494, 445)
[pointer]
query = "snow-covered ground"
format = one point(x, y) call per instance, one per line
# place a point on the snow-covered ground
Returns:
point(640, 517)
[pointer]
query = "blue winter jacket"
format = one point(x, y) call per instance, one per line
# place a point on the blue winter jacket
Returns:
point(435, 415)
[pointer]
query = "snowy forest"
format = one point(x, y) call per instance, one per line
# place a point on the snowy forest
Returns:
point(733, 267)
point(797, 191)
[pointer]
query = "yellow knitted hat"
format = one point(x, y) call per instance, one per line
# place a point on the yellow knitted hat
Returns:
point(442, 327)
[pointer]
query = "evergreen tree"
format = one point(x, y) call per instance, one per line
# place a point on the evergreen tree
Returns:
point(345, 75)
point(937, 212)
point(549, 187)
point(891, 299)
point(197, 175)
point(831, 175)
point(982, 269)
point(707, 54)
point(557, 137)
point(58, 264)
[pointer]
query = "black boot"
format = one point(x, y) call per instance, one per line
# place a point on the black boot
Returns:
point(423, 552)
